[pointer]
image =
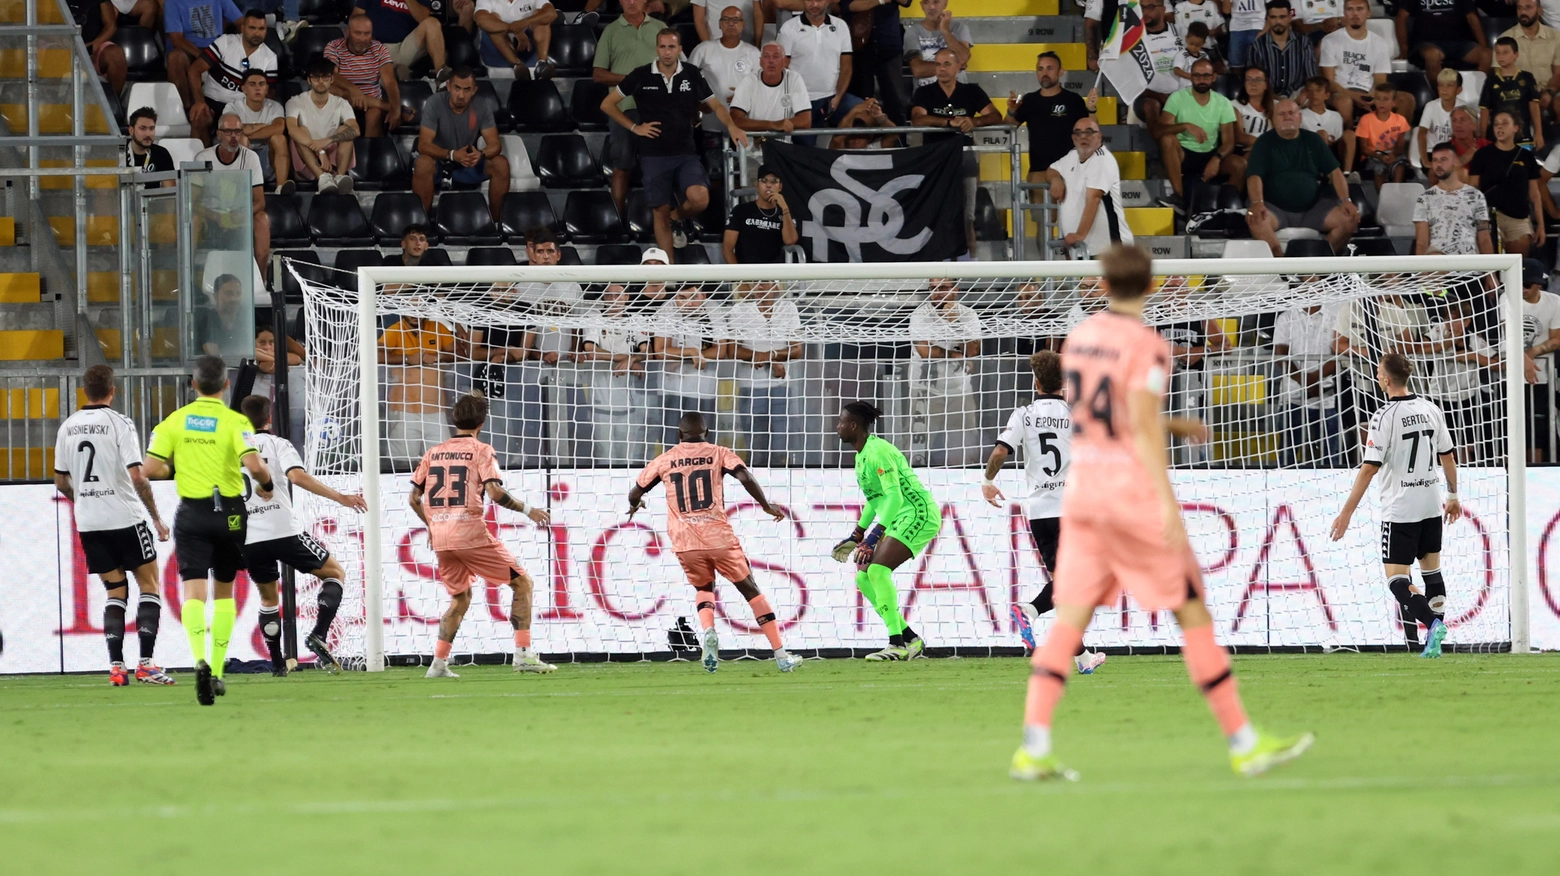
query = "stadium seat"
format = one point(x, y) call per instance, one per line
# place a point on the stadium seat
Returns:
point(640, 219)
point(689, 34)
point(164, 98)
point(1386, 29)
point(287, 225)
point(524, 211)
point(1304, 247)
point(287, 89)
point(1416, 84)
point(1373, 246)
point(324, 11)
point(1246, 249)
point(1230, 198)
point(1472, 89)
point(463, 219)
point(392, 212)
point(692, 254)
point(498, 256)
point(564, 162)
point(585, 105)
point(1201, 197)
point(307, 263)
point(522, 175)
point(414, 93)
point(1367, 209)
point(337, 220)
point(181, 149)
point(501, 116)
point(143, 53)
point(1395, 209)
point(284, 69)
point(617, 254)
point(574, 48)
point(349, 260)
point(460, 49)
point(538, 108)
point(989, 221)
point(228, 261)
point(312, 41)
point(433, 258)
point(568, 255)
point(380, 165)
point(592, 217)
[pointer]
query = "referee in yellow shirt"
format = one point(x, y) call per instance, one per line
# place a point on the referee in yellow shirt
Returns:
point(203, 444)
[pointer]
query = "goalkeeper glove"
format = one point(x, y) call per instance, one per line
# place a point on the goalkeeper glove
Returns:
point(869, 546)
point(844, 549)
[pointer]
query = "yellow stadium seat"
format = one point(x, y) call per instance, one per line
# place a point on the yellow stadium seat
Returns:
point(53, 118)
point(65, 182)
point(165, 285)
point(20, 288)
point(1008, 57)
point(52, 63)
point(28, 344)
point(103, 287)
point(964, 8)
point(101, 230)
point(7, 231)
point(1151, 221)
point(27, 463)
point(1134, 165)
point(30, 404)
point(16, 13)
point(164, 230)
point(109, 341)
point(1108, 111)
point(165, 343)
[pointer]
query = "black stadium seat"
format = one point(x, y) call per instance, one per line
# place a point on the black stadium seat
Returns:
point(325, 11)
point(393, 211)
point(573, 48)
point(498, 256)
point(988, 219)
point(1372, 246)
point(287, 225)
point(287, 89)
point(692, 254)
point(524, 211)
point(1307, 247)
point(337, 220)
point(143, 53)
point(460, 48)
point(592, 217)
point(568, 255)
point(283, 62)
point(1201, 197)
point(380, 165)
point(585, 105)
point(349, 260)
point(690, 36)
point(489, 95)
point(1416, 84)
point(617, 254)
point(640, 218)
point(563, 161)
point(311, 41)
point(537, 107)
point(463, 219)
point(307, 263)
point(414, 93)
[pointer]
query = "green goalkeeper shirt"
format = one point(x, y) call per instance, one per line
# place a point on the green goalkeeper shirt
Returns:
point(888, 482)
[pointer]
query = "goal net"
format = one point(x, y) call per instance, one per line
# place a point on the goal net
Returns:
point(588, 369)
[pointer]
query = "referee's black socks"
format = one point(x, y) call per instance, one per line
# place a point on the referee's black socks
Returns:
point(114, 629)
point(148, 617)
point(329, 604)
point(1416, 603)
point(271, 631)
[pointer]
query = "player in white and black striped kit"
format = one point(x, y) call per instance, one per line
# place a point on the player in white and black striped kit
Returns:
point(1407, 438)
point(1043, 428)
point(97, 465)
point(274, 536)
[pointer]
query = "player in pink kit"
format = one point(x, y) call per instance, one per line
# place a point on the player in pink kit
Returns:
point(694, 473)
point(460, 471)
point(1121, 524)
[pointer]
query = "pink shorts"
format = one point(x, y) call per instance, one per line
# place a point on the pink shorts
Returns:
point(458, 569)
point(701, 566)
point(1097, 560)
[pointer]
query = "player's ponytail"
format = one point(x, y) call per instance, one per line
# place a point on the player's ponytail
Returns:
point(863, 412)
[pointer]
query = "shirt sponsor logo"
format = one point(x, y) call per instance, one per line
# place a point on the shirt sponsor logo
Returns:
point(200, 424)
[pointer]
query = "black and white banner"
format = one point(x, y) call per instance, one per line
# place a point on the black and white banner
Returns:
point(882, 206)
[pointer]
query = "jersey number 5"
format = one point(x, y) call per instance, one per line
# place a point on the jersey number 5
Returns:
point(456, 482)
point(1098, 406)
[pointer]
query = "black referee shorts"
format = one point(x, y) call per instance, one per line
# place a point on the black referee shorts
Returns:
point(1403, 543)
point(208, 540)
point(299, 551)
point(109, 550)
point(1047, 532)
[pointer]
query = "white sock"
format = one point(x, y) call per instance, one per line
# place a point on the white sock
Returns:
point(1037, 740)
point(522, 652)
point(780, 654)
point(438, 661)
point(1242, 741)
point(1029, 611)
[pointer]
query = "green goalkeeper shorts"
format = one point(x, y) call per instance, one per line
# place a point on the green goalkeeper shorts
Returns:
point(917, 524)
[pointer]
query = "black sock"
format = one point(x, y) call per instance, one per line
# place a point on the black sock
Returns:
point(896, 640)
point(271, 631)
point(1043, 603)
point(1435, 591)
point(148, 616)
point(1416, 603)
point(908, 635)
point(1410, 626)
point(329, 604)
point(114, 629)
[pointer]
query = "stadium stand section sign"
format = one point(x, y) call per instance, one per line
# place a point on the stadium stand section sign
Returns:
point(606, 584)
point(898, 205)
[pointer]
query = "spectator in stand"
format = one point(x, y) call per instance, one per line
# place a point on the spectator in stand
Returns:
point(452, 122)
point(964, 107)
point(365, 77)
point(410, 30)
point(1508, 175)
point(1163, 46)
point(143, 154)
point(415, 408)
point(1192, 51)
point(1546, 172)
point(1287, 57)
point(1435, 121)
point(1450, 217)
point(265, 129)
point(759, 230)
point(707, 16)
point(768, 323)
point(1382, 137)
point(877, 66)
point(1051, 113)
point(191, 26)
point(1465, 138)
point(1254, 106)
point(1093, 10)
point(688, 345)
point(1198, 137)
point(1541, 338)
point(864, 117)
point(219, 72)
point(517, 34)
point(1283, 182)
point(943, 362)
point(1444, 32)
point(1086, 182)
point(220, 328)
point(626, 44)
point(1247, 20)
point(415, 252)
point(617, 387)
point(1324, 121)
point(1303, 348)
point(1354, 60)
point(1538, 48)
point(819, 47)
point(774, 98)
point(1509, 87)
point(218, 203)
point(1205, 11)
point(726, 62)
point(670, 94)
point(99, 21)
point(142, 13)
point(1318, 18)
point(937, 31)
point(322, 128)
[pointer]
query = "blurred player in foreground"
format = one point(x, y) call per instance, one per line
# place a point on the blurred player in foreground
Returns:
point(694, 473)
point(461, 470)
point(1121, 525)
point(1044, 429)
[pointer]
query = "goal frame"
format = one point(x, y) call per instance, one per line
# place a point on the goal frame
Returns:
point(371, 279)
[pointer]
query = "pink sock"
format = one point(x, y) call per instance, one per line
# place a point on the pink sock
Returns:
point(1209, 666)
point(523, 639)
point(1051, 664)
point(441, 650)
point(765, 616)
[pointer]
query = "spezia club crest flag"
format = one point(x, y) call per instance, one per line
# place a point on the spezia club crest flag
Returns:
point(1123, 57)
point(880, 206)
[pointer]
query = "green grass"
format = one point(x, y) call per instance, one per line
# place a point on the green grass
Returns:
point(844, 767)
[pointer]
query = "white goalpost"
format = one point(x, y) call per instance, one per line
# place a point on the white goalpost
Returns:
point(587, 368)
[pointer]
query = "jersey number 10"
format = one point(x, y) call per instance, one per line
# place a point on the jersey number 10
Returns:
point(700, 493)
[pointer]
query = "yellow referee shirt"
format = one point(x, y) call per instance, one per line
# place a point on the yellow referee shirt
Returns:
point(205, 439)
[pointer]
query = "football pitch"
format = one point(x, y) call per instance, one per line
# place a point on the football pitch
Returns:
point(842, 767)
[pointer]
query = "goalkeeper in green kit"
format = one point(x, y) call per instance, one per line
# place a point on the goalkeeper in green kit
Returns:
point(908, 520)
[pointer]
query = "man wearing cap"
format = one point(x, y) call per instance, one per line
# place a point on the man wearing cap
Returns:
point(1540, 338)
point(760, 230)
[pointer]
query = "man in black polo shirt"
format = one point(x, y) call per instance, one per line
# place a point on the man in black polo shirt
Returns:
point(760, 230)
point(1049, 112)
point(668, 95)
point(963, 106)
